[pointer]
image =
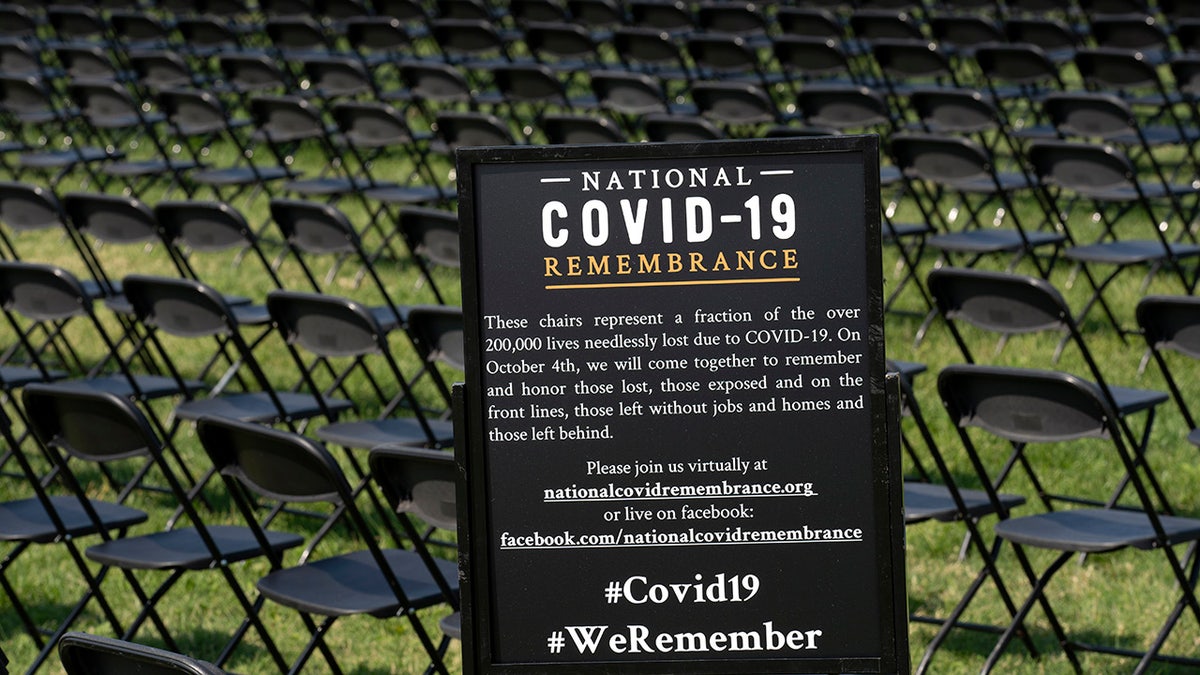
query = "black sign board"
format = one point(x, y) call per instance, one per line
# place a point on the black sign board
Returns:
point(674, 419)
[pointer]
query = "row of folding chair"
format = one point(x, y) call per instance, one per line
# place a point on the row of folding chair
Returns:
point(260, 466)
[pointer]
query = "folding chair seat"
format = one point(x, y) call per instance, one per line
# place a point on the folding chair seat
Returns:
point(21, 57)
point(31, 110)
point(44, 519)
point(246, 74)
point(202, 124)
point(660, 127)
point(98, 428)
point(204, 36)
point(816, 22)
point(87, 62)
point(959, 32)
point(83, 654)
point(468, 9)
point(1071, 418)
point(158, 69)
point(741, 108)
point(342, 338)
point(293, 39)
point(1012, 305)
point(471, 44)
point(378, 138)
point(120, 121)
point(1103, 179)
point(938, 166)
point(139, 29)
point(412, 14)
point(868, 24)
point(381, 583)
point(17, 23)
point(1017, 76)
point(1168, 323)
point(332, 78)
point(470, 129)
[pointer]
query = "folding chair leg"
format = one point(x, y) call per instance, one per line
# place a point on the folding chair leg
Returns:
point(1037, 595)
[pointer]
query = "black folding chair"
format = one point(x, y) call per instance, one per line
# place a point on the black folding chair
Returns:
point(1065, 414)
point(55, 520)
point(938, 497)
point(1012, 305)
point(382, 583)
point(1171, 323)
point(1106, 180)
point(420, 484)
point(341, 338)
point(100, 427)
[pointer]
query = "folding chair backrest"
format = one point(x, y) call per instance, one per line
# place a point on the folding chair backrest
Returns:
point(1093, 115)
point(286, 119)
point(628, 93)
point(182, 307)
point(1086, 169)
point(325, 325)
point(1025, 406)
point(111, 218)
point(998, 302)
point(26, 206)
point(93, 425)
point(467, 129)
point(1171, 322)
point(276, 464)
point(432, 233)
point(418, 481)
point(41, 292)
point(84, 654)
point(844, 107)
point(371, 124)
point(941, 159)
point(734, 103)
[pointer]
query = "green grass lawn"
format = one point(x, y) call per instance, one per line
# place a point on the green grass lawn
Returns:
point(1117, 599)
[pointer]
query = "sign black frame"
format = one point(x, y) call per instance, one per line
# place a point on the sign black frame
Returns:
point(474, 499)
